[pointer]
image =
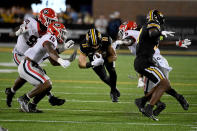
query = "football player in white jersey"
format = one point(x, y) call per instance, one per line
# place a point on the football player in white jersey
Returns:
point(30, 70)
point(28, 33)
point(128, 35)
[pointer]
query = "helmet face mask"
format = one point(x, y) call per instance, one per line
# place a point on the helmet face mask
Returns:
point(93, 38)
point(157, 16)
point(47, 16)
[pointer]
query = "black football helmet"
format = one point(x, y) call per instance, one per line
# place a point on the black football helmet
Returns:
point(155, 16)
point(93, 38)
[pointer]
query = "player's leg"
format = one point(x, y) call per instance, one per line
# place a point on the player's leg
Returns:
point(101, 72)
point(180, 98)
point(34, 74)
point(114, 93)
point(160, 106)
point(158, 78)
point(19, 82)
point(10, 92)
point(53, 100)
point(164, 66)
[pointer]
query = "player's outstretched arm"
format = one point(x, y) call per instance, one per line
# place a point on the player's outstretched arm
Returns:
point(54, 55)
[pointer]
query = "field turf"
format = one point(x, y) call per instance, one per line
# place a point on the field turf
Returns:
point(89, 107)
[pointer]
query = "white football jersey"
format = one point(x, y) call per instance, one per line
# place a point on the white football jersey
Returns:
point(133, 34)
point(28, 39)
point(37, 53)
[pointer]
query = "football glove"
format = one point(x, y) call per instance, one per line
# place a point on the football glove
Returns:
point(23, 29)
point(63, 63)
point(69, 44)
point(167, 33)
point(97, 60)
point(140, 83)
point(183, 43)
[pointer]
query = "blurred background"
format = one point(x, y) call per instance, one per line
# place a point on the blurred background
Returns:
point(106, 15)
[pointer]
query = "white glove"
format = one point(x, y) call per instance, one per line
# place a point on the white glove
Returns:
point(22, 29)
point(183, 43)
point(166, 33)
point(63, 63)
point(97, 60)
point(69, 44)
point(140, 83)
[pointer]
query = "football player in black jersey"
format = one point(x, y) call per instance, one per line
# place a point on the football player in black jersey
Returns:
point(149, 39)
point(101, 56)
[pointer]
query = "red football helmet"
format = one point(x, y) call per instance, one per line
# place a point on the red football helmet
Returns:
point(47, 16)
point(129, 25)
point(59, 30)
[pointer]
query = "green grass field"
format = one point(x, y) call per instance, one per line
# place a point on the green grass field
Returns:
point(89, 107)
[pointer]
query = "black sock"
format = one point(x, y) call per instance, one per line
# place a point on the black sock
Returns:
point(39, 97)
point(49, 94)
point(173, 93)
point(145, 99)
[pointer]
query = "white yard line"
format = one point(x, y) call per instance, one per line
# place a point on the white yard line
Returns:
point(80, 87)
point(97, 101)
point(106, 123)
point(75, 93)
point(102, 111)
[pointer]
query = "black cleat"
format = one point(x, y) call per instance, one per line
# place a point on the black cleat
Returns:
point(114, 96)
point(160, 107)
point(148, 112)
point(55, 101)
point(23, 101)
point(183, 102)
point(118, 92)
point(9, 97)
point(32, 108)
point(139, 103)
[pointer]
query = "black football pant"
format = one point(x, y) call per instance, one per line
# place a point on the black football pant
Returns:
point(108, 79)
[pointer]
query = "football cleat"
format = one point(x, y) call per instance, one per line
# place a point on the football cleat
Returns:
point(139, 103)
point(148, 112)
point(160, 107)
point(118, 92)
point(183, 102)
point(114, 96)
point(32, 108)
point(9, 95)
point(23, 101)
point(55, 101)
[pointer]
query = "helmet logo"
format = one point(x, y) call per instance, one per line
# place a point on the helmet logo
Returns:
point(45, 11)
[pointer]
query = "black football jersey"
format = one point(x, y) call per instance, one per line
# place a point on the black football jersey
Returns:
point(86, 49)
point(146, 44)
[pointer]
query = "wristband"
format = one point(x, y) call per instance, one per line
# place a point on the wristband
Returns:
point(88, 65)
